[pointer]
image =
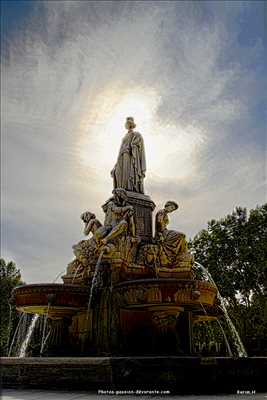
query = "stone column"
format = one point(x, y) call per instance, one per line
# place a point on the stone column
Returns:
point(164, 319)
point(184, 328)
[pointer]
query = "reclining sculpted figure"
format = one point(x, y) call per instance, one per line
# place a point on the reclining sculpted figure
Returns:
point(118, 221)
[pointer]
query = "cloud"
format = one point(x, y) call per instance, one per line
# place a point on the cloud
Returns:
point(207, 89)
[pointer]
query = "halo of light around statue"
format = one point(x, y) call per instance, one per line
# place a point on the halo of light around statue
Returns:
point(103, 124)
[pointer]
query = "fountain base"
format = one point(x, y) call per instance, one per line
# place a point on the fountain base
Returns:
point(143, 317)
point(187, 375)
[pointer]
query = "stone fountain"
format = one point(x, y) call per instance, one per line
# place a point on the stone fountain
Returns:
point(126, 309)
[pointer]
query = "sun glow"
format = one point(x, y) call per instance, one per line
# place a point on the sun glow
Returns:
point(169, 148)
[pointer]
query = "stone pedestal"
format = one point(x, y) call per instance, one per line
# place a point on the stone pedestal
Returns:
point(178, 375)
point(143, 208)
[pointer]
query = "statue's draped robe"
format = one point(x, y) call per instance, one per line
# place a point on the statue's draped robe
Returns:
point(172, 243)
point(130, 168)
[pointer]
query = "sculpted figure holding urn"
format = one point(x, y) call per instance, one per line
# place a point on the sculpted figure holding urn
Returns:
point(130, 168)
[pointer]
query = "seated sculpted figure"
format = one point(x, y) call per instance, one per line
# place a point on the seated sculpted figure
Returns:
point(90, 222)
point(118, 219)
point(171, 244)
point(85, 249)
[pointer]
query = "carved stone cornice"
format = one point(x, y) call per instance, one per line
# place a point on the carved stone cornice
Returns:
point(140, 199)
point(180, 292)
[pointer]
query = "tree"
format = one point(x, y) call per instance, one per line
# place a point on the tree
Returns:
point(234, 250)
point(10, 278)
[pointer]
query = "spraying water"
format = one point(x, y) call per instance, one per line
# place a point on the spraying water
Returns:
point(225, 339)
point(96, 282)
point(223, 333)
point(24, 331)
point(9, 324)
point(76, 273)
point(58, 275)
point(22, 317)
point(22, 352)
point(238, 343)
point(44, 330)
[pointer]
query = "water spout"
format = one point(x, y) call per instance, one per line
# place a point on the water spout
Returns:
point(9, 324)
point(58, 275)
point(22, 317)
point(205, 312)
point(225, 339)
point(96, 282)
point(76, 273)
point(44, 330)
point(238, 343)
point(23, 349)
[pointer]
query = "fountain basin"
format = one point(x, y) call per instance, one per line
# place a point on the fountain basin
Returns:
point(52, 299)
point(191, 294)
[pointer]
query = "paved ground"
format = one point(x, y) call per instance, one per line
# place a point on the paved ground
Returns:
point(12, 394)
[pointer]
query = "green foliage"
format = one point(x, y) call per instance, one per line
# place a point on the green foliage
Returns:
point(10, 278)
point(234, 250)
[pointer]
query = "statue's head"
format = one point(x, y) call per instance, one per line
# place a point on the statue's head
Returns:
point(171, 206)
point(129, 124)
point(87, 216)
point(120, 194)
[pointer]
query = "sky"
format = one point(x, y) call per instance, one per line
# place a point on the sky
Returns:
point(192, 74)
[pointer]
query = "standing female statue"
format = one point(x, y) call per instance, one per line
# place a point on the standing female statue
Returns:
point(130, 168)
